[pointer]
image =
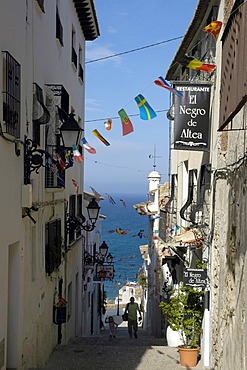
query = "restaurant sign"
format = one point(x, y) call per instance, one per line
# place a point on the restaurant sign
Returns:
point(191, 117)
point(105, 272)
point(195, 277)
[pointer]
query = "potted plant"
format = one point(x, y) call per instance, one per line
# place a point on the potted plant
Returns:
point(184, 312)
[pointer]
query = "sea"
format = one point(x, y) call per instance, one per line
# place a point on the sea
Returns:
point(124, 230)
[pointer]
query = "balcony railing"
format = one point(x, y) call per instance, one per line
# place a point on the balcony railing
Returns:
point(54, 175)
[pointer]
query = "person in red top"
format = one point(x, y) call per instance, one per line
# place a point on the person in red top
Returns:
point(132, 308)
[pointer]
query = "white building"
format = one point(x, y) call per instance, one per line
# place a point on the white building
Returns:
point(42, 63)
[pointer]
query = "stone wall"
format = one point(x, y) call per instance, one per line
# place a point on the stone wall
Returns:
point(229, 256)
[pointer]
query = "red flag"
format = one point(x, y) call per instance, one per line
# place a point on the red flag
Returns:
point(126, 122)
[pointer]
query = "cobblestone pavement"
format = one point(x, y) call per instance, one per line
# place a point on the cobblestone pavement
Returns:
point(122, 353)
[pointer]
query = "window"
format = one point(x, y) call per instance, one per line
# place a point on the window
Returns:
point(80, 72)
point(59, 28)
point(58, 97)
point(73, 49)
point(70, 297)
point(53, 246)
point(41, 5)
point(41, 114)
point(11, 94)
point(72, 212)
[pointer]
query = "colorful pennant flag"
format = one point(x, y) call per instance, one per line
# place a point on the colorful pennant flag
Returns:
point(146, 112)
point(123, 202)
point(154, 217)
point(140, 234)
point(100, 137)
point(95, 193)
point(142, 211)
point(62, 164)
point(126, 122)
point(111, 200)
point(192, 63)
point(69, 160)
point(122, 232)
point(160, 81)
point(108, 124)
point(85, 144)
point(76, 185)
point(76, 154)
point(214, 28)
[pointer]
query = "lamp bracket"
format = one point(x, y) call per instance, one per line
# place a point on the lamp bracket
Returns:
point(74, 223)
point(34, 158)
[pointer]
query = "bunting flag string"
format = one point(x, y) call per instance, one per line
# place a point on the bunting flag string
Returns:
point(96, 194)
point(75, 183)
point(111, 200)
point(191, 62)
point(140, 234)
point(123, 202)
point(126, 122)
point(146, 111)
point(76, 154)
point(85, 144)
point(108, 124)
point(121, 231)
point(160, 81)
point(214, 28)
point(100, 137)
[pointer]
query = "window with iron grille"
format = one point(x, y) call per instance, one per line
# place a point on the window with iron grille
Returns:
point(11, 94)
point(55, 173)
point(79, 212)
point(72, 212)
point(59, 28)
point(41, 115)
point(53, 246)
point(41, 5)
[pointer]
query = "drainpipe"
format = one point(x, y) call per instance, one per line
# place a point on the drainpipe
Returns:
point(206, 330)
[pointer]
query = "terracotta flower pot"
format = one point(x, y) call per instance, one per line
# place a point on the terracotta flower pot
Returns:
point(188, 356)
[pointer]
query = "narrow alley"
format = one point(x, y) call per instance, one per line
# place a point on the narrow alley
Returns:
point(102, 352)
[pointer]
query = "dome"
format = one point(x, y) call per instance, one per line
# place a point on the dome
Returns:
point(154, 175)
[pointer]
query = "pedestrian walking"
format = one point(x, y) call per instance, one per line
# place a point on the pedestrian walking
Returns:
point(112, 326)
point(132, 308)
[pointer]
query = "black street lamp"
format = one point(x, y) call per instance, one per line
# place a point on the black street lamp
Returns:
point(74, 223)
point(70, 132)
point(103, 249)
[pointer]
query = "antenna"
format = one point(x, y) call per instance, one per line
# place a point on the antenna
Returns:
point(154, 156)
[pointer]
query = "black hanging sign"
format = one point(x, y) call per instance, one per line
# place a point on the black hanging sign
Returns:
point(191, 117)
point(195, 277)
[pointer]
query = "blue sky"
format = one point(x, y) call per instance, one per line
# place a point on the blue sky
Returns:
point(112, 84)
